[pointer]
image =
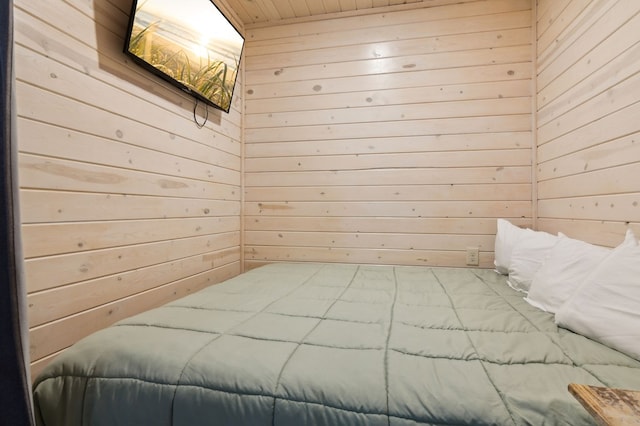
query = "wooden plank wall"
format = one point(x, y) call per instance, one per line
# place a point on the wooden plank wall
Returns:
point(390, 138)
point(126, 204)
point(588, 118)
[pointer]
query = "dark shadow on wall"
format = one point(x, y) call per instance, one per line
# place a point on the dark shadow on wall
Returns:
point(15, 393)
point(112, 20)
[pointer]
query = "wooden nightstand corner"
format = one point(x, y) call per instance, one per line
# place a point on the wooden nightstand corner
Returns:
point(610, 407)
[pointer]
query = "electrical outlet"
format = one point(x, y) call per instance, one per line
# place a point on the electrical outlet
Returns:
point(473, 256)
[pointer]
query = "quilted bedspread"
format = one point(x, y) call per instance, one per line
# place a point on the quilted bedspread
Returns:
point(316, 344)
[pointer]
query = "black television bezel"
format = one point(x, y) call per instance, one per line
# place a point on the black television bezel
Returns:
point(149, 67)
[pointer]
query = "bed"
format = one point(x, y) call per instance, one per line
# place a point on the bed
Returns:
point(329, 344)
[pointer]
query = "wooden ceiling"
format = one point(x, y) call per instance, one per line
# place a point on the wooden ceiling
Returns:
point(270, 12)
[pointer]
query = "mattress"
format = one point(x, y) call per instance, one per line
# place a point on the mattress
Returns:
point(320, 344)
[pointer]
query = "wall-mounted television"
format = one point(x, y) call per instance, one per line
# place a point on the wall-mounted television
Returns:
point(190, 44)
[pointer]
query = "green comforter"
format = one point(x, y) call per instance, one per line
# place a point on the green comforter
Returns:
point(295, 344)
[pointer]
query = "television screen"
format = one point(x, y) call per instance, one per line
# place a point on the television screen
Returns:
point(190, 44)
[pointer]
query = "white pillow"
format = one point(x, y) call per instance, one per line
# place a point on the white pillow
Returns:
point(527, 256)
point(606, 307)
point(565, 268)
point(506, 238)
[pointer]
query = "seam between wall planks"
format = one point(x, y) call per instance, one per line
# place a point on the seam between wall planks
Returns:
point(242, 169)
point(534, 114)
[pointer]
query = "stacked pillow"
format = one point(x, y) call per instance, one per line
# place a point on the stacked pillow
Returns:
point(606, 306)
point(507, 237)
point(527, 257)
point(567, 265)
point(592, 290)
point(520, 252)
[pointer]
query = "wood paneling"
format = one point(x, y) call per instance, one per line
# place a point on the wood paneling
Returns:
point(373, 131)
point(588, 143)
point(388, 138)
point(272, 12)
point(126, 203)
point(47, 339)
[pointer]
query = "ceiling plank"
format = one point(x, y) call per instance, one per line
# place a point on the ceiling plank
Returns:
point(316, 7)
point(347, 5)
point(269, 10)
point(331, 6)
point(300, 8)
point(284, 8)
point(253, 10)
point(380, 3)
point(364, 4)
point(266, 13)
